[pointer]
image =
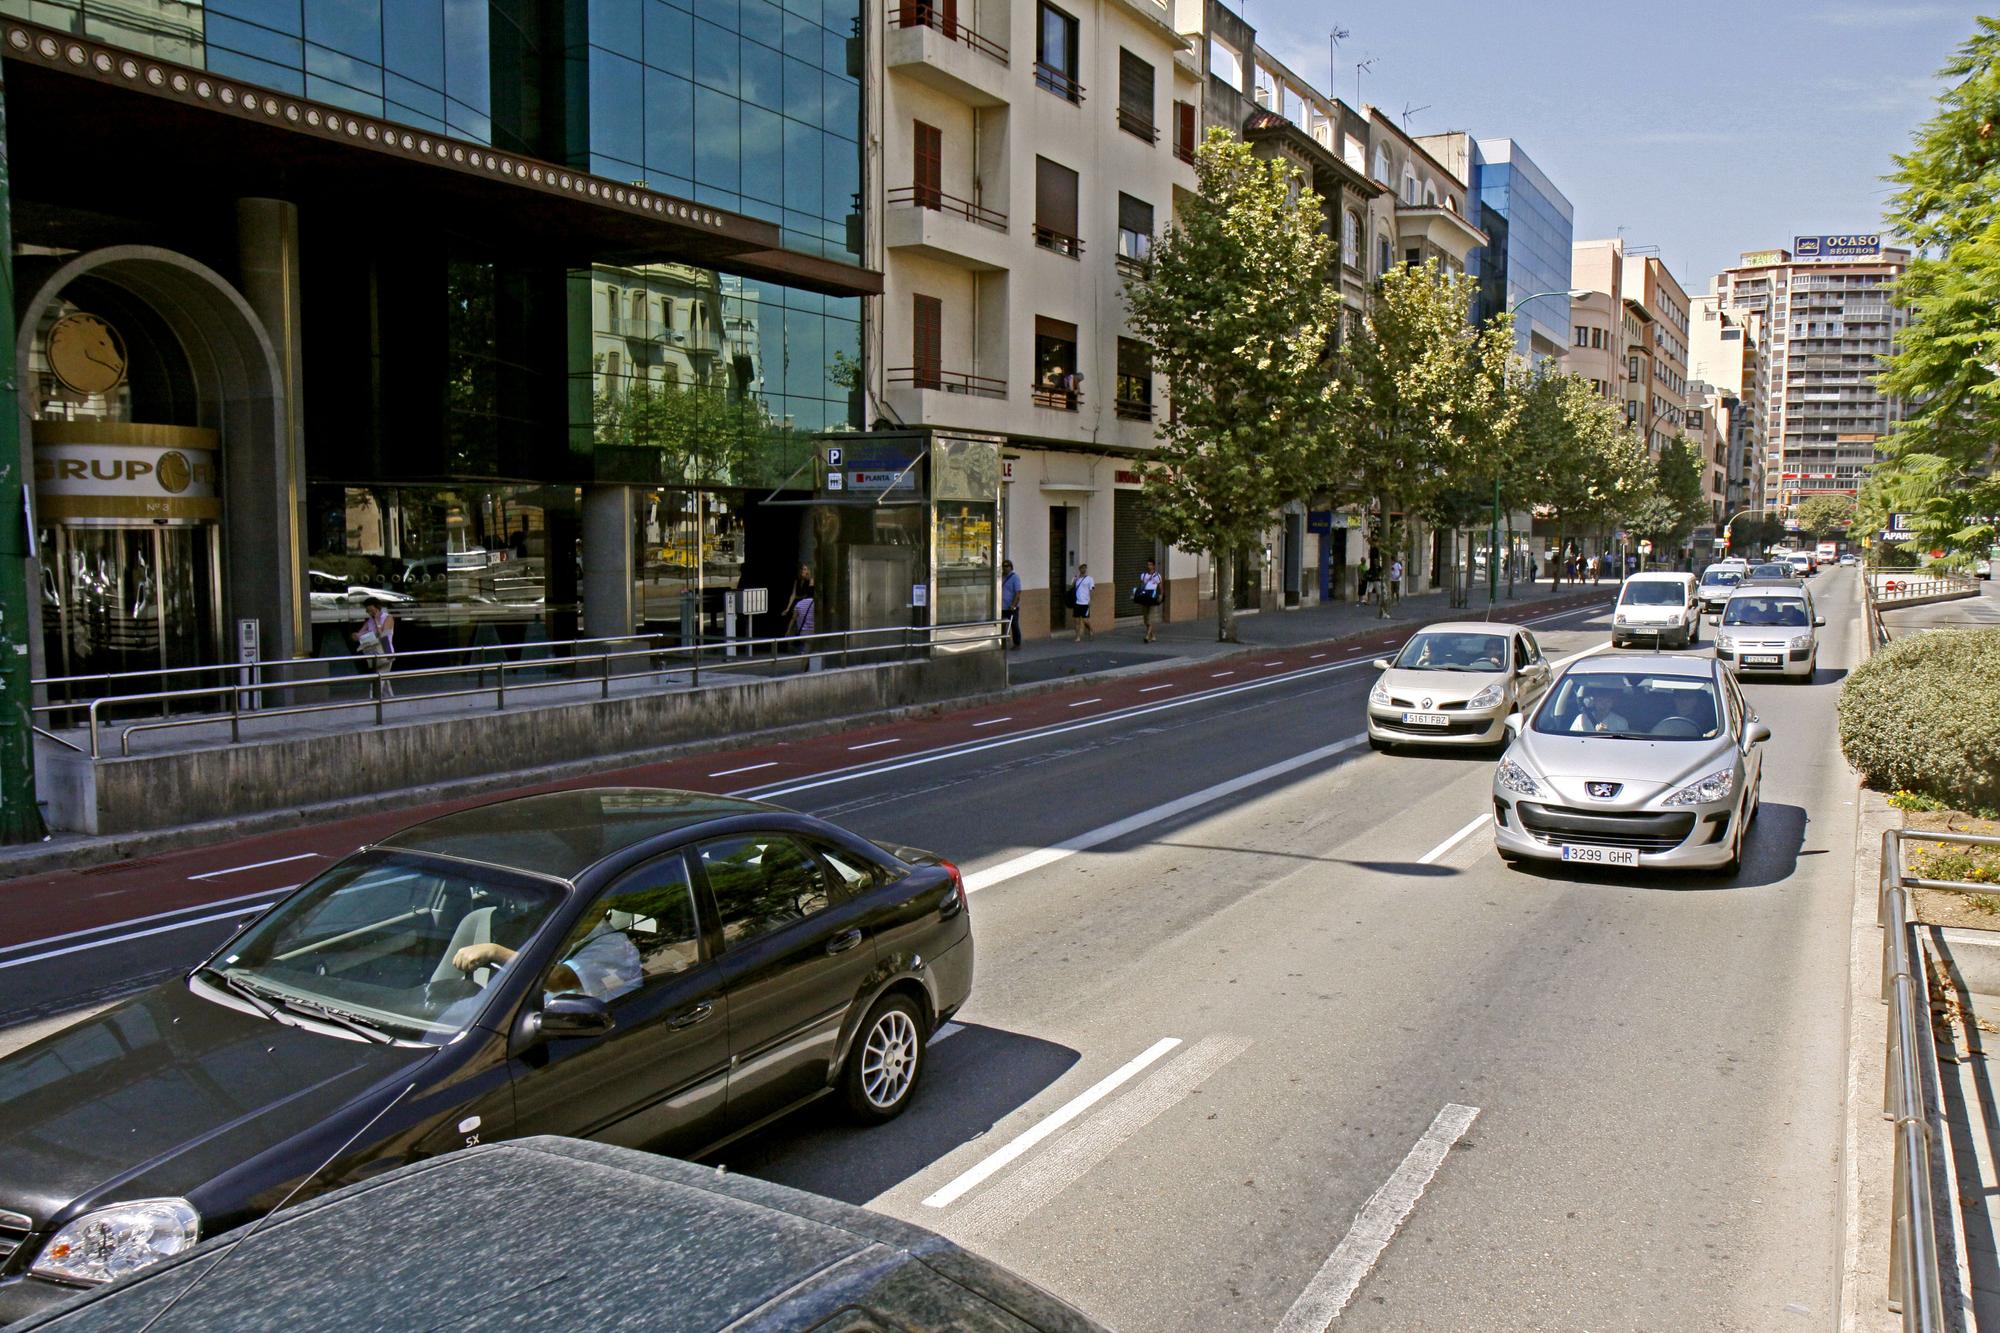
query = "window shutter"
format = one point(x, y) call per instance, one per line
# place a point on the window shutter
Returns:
point(926, 340)
point(929, 183)
point(1055, 197)
point(1135, 215)
point(1184, 127)
point(1135, 87)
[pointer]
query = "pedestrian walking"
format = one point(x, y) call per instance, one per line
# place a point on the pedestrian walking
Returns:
point(1371, 577)
point(1396, 580)
point(798, 610)
point(1147, 594)
point(376, 641)
point(1079, 600)
point(1010, 601)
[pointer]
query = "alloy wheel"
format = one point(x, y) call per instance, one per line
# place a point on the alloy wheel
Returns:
point(889, 1059)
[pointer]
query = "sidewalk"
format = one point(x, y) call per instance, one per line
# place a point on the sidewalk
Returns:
point(1194, 640)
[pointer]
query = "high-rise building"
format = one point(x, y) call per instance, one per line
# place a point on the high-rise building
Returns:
point(1726, 349)
point(1827, 308)
point(1527, 223)
point(1654, 334)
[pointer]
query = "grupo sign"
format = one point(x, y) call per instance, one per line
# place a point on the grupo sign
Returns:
point(100, 473)
point(1835, 247)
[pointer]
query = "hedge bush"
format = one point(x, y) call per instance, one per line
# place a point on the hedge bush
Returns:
point(1924, 715)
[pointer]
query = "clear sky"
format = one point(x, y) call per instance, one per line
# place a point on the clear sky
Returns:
point(1703, 128)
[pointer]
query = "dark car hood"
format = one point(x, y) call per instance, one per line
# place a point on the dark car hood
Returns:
point(155, 1096)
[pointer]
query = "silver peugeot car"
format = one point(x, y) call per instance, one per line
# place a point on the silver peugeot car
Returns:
point(1456, 683)
point(1652, 761)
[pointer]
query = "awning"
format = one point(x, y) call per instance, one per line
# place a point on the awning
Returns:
point(93, 125)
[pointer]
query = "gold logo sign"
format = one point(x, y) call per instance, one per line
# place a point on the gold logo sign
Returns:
point(86, 355)
point(174, 472)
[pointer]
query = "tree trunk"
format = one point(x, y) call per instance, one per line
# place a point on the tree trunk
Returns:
point(1225, 597)
point(1387, 555)
point(1561, 559)
point(1471, 565)
point(1510, 556)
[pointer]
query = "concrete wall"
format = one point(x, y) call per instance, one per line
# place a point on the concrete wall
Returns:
point(117, 795)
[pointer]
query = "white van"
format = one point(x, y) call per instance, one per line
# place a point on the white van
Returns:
point(1660, 608)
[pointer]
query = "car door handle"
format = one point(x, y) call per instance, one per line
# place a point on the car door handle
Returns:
point(844, 941)
point(690, 1017)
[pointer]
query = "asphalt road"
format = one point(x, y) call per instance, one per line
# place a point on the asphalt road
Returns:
point(1245, 1008)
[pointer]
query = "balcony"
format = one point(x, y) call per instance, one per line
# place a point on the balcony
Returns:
point(1184, 151)
point(956, 399)
point(1048, 238)
point(1062, 400)
point(946, 56)
point(1138, 126)
point(940, 380)
point(945, 228)
point(1133, 409)
point(1050, 79)
point(1135, 268)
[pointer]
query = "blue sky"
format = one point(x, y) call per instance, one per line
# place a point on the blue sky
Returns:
point(1703, 128)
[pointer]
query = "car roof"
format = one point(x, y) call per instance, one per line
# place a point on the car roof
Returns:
point(1658, 576)
point(1658, 664)
point(564, 833)
point(613, 1238)
point(1465, 627)
point(1770, 587)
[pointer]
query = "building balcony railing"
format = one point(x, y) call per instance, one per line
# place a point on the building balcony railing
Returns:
point(923, 196)
point(1136, 268)
point(1135, 124)
point(1050, 79)
point(1063, 400)
point(1184, 151)
point(948, 381)
point(1133, 409)
point(928, 16)
point(1048, 238)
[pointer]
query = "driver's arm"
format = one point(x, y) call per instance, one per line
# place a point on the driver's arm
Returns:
point(480, 955)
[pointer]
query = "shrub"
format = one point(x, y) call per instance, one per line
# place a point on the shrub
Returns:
point(1923, 716)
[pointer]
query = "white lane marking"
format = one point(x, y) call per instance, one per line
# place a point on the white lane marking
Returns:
point(747, 768)
point(121, 939)
point(142, 920)
point(870, 745)
point(993, 721)
point(1375, 1226)
point(1565, 661)
point(1218, 675)
point(1081, 1150)
point(1317, 656)
point(1270, 664)
point(1148, 689)
point(1453, 841)
point(1068, 847)
point(945, 1033)
point(257, 865)
point(1061, 1116)
point(1081, 702)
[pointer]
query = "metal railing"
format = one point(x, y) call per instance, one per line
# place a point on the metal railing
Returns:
point(947, 381)
point(919, 15)
point(1916, 1271)
point(1048, 238)
point(540, 667)
point(924, 196)
point(1887, 587)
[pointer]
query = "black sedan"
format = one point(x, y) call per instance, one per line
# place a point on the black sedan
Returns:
point(646, 968)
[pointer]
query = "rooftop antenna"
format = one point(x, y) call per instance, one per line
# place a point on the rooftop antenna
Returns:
point(1333, 40)
point(1361, 67)
point(1409, 111)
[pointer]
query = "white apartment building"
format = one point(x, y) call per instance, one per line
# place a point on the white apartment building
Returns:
point(1029, 151)
point(1653, 329)
point(1826, 304)
point(1725, 349)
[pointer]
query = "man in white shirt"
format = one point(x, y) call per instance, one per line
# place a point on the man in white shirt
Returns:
point(1080, 599)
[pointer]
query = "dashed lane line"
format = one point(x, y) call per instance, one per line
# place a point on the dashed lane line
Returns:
point(257, 865)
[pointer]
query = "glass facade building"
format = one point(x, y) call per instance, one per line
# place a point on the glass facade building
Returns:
point(1528, 225)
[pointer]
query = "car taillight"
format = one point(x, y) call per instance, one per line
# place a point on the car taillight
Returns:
point(959, 901)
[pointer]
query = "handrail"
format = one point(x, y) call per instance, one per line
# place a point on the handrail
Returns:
point(924, 196)
point(923, 15)
point(1059, 82)
point(1916, 1278)
point(948, 381)
point(1048, 238)
point(1898, 585)
point(660, 660)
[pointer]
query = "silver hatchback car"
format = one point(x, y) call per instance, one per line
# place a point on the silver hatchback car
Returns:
point(1456, 683)
point(1652, 761)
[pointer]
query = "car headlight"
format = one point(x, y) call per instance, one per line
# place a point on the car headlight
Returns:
point(1379, 695)
point(1802, 641)
point(1517, 779)
point(107, 1244)
point(1489, 696)
point(1717, 786)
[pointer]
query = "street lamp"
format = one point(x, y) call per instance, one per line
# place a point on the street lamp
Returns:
point(1493, 533)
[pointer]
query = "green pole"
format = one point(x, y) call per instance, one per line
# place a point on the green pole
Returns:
point(20, 817)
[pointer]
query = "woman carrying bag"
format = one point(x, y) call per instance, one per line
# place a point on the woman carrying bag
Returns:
point(1147, 594)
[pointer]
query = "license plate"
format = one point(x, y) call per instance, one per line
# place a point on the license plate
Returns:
point(1426, 720)
point(1601, 856)
point(1762, 659)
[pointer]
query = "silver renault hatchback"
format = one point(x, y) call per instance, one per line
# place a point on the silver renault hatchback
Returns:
point(1634, 762)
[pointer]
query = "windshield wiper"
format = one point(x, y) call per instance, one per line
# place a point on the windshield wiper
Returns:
point(338, 1018)
point(244, 990)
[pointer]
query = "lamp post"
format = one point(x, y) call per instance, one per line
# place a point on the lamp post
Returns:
point(1493, 533)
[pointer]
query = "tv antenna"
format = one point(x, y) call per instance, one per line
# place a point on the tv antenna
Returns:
point(1409, 111)
point(1361, 67)
point(1333, 40)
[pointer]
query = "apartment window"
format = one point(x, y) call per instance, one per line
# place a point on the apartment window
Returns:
point(1055, 208)
point(1430, 195)
point(1632, 368)
point(928, 187)
point(1135, 380)
point(1412, 194)
point(1135, 236)
point(613, 369)
point(1056, 54)
point(1350, 241)
point(639, 306)
point(1597, 338)
point(1184, 133)
point(1135, 97)
point(1382, 165)
point(926, 342)
point(939, 14)
point(1582, 336)
point(1385, 255)
point(1058, 383)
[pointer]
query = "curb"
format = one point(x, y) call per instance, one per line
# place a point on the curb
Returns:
point(88, 851)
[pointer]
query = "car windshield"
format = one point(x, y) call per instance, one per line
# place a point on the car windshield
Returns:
point(1771, 572)
point(1722, 578)
point(1632, 705)
point(370, 944)
point(1744, 609)
point(1654, 594)
point(1442, 651)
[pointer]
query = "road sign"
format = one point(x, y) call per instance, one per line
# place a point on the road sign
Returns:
point(753, 601)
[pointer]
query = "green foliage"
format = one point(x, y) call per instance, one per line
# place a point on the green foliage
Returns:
point(1923, 716)
point(1240, 308)
point(1582, 466)
point(1947, 362)
point(1825, 515)
point(1671, 499)
point(702, 433)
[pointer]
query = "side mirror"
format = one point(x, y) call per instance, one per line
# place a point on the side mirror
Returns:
point(1380, 664)
point(1758, 733)
point(1513, 725)
point(570, 1016)
point(1819, 621)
